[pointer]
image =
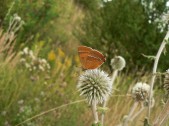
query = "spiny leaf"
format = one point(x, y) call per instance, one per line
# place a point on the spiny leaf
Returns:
point(102, 109)
point(151, 57)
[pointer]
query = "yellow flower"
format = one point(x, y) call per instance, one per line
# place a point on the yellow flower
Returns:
point(51, 55)
point(61, 53)
point(68, 62)
point(77, 60)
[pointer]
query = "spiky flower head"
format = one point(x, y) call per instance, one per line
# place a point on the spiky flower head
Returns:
point(118, 63)
point(140, 91)
point(166, 81)
point(94, 85)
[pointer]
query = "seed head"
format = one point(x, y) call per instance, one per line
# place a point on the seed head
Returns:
point(118, 63)
point(94, 85)
point(140, 91)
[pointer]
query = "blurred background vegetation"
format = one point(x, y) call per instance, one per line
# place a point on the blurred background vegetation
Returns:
point(117, 27)
point(53, 29)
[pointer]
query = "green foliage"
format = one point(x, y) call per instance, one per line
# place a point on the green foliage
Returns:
point(3, 9)
point(88, 4)
point(121, 27)
point(47, 19)
point(146, 122)
point(97, 124)
point(36, 14)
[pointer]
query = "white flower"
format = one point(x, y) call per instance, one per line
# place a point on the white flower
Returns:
point(118, 63)
point(20, 102)
point(31, 54)
point(17, 18)
point(44, 61)
point(3, 113)
point(95, 85)
point(22, 60)
point(41, 68)
point(26, 50)
point(140, 91)
point(27, 65)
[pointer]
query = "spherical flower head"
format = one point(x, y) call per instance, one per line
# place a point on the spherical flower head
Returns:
point(118, 63)
point(17, 18)
point(94, 85)
point(166, 81)
point(26, 50)
point(140, 91)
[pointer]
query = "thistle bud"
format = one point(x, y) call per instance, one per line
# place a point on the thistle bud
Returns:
point(140, 91)
point(94, 85)
point(118, 63)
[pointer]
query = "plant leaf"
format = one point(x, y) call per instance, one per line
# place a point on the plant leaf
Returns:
point(151, 57)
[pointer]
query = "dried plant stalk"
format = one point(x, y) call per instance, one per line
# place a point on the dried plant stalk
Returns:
point(155, 70)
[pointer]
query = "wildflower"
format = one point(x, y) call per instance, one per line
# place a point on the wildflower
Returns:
point(41, 68)
point(3, 113)
point(51, 55)
point(118, 63)
point(31, 54)
point(27, 65)
point(140, 91)
point(26, 50)
point(20, 102)
point(61, 53)
point(22, 60)
point(17, 18)
point(95, 85)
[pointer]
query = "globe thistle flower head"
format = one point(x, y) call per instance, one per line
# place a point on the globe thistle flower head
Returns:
point(140, 91)
point(94, 85)
point(166, 81)
point(118, 63)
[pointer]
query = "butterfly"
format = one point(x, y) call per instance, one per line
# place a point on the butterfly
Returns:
point(90, 58)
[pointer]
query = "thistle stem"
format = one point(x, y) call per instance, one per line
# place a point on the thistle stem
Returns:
point(94, 111)
point(125, 123)
point(138, 113)
point(113, 77)
point(154, 71)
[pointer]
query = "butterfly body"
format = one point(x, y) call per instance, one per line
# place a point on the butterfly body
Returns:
point(90, 58)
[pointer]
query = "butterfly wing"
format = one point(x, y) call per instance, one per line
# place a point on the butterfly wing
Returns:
point(94, 60)
point(90, 58)
point(83, 52)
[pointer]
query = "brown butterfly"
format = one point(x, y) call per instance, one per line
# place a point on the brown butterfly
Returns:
point(90, 58)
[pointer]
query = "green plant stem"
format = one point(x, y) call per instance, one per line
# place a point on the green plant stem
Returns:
point(94, 111)
point(154, 72)
point(50, 110)
point(114, 75)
